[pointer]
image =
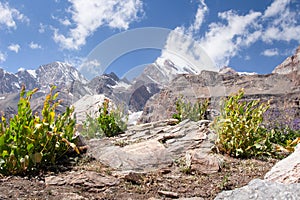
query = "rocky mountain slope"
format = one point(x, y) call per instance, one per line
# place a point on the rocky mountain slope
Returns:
point(70, 83)
point(282, 86)
point(72, 87)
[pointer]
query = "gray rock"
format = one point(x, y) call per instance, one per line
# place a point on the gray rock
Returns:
point(262, 190)
point(89, 104)
point(152, 146)
point(143, 156)
point(287, 170)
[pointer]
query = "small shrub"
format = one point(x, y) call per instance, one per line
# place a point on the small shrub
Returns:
point(30, 142)
point(91, 128)
point(187, 110)
point(239, 129)
point(109, 123)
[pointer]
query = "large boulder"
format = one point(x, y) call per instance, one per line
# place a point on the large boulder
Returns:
point(286, 171)
point(153, 146)
point(262, 190)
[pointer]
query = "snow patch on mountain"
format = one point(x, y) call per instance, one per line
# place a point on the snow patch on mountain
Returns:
point(133, 117)
point(32, 72)
point(121, 85)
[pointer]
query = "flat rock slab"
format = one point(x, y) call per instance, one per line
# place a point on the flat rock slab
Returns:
point(86, 179)
point(143, 156)
point(154, 146)
point(262, 190)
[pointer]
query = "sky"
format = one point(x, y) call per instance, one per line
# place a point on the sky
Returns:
point(249, 35)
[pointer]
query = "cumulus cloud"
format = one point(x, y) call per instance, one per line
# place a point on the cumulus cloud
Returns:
point(2, 57)
point(14, 47)
point(33, 45)
point(184, 51)
point(223, 41)
point(282, 22)
point(277, 7)
point(88, 16)
point(270, 52)
point(8, 16)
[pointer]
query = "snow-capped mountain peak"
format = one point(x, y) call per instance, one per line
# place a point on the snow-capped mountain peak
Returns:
point(57, 73)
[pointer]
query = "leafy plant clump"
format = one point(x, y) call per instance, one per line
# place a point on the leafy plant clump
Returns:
point(30, 142)
point(284, 127)
point(187, 110)
point(239, 128)
point(91, 128)
point(110, 122)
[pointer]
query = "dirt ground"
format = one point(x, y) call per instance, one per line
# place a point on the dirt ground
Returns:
point(173, 182)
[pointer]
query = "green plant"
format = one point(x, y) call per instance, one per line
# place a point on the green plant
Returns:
point(91, 128)
point(284, 127)
point(285, 141)
point(110, 122)
point(239, 129)
point(225, 181)
point(29, 142)
point(187, 110)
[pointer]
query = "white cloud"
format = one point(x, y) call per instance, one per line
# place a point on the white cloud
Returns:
point(277, 7)
point(88, 16)
point(184, 51)
point(235, 32)
point(223, 41)
point(282, 22)
point(42, 28)
point(65, 22)
point(33, 45)
point(14, 47)
point(270, 52)
point(8, 16)
point(199, 17)
point(2, 57)
point(90, 68)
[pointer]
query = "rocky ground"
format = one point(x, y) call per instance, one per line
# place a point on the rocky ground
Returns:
point(158, 160)
point(89, 179)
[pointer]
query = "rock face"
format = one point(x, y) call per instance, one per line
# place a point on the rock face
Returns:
point(8, 82)
point(89, 104)
point(154, 146)
point(286, 171)
point(289, 65)
point(72, 87)
point(261, 190)
point(283, 89)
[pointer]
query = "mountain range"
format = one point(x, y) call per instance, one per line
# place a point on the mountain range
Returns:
point(153, 91)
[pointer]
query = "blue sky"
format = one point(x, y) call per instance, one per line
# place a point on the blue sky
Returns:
point(250, 35)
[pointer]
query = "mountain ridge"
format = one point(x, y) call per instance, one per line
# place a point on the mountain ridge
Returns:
point(152, 83)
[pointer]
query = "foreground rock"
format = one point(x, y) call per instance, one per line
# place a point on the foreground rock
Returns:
point(153, 146)
point(262, 190)
point(281, 182)
point(286, 171)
